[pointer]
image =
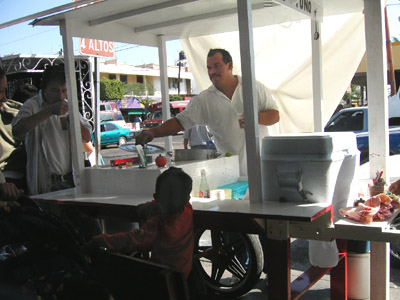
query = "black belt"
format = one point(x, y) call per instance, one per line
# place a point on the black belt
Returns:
point(62, 178)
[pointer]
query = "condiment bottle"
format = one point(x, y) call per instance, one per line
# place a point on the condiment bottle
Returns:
point(204, 188)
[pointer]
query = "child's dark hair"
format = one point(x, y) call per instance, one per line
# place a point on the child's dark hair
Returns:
point(173, 189)
point(53, 73)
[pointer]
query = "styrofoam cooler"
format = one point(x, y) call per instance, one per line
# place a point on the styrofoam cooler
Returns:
point(311, 167)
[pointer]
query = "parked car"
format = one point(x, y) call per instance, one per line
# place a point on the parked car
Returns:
point(155, 117)
point(111, 133)
point(114, 117)
point(356, 119)
point(108, 106)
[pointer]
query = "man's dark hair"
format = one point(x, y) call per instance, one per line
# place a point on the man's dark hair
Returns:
point(226, 57)
point(53, 73)
point(24, 92)
point(173, 188)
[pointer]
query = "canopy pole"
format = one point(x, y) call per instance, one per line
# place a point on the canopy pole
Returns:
point(166, 114)
point(318, 98)
point(250, 102)
point(378, 130)
point(96, 107)
point(75, 128)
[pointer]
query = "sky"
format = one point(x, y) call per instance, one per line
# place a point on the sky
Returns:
point(26, 39)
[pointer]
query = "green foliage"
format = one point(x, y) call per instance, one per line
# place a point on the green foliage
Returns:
point(355, 95)
point(138, 89)
point(175, 98)
point(111, 89)
point(145, 101)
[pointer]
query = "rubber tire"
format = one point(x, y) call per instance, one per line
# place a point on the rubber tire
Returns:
point(220, 253)
point(121, 140)
point(395, 247)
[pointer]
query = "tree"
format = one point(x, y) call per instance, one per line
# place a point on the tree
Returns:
point(354, 96)
point(138, 89)
point(175, 97)
point(111, 89)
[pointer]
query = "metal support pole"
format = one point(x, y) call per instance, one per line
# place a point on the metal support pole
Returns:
point(75, 127)
point(97, 111)
point(318, 99)
point(162, 54)
point(250, 102)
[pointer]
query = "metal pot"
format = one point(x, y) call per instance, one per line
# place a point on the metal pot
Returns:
point(194, 154)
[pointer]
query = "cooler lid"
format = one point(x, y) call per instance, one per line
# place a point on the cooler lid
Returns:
point(309, 143)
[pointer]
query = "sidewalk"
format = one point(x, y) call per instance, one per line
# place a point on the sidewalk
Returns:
point(321, 290)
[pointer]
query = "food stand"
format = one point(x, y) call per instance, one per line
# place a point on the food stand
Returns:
point(154, 22)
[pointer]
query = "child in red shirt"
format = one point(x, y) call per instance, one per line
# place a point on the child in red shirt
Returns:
point(168, 231)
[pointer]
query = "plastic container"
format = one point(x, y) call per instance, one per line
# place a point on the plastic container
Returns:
point(323, 254)
point(376, 190)
point(311, 167)
point(238, 189)
point(358, 275)
point(358, 246)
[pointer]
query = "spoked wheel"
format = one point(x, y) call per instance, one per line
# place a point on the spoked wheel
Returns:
point(395, 247)
point(231, 263)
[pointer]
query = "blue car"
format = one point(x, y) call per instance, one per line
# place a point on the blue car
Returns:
point(112, 133)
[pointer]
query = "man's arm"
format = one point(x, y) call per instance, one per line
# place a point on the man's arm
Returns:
point(27, 124)
point(395, 187)
point(185, 143)
point(86, 135)
point(269, 117)
point(170, 127)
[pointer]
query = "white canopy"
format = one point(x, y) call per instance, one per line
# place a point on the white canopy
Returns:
point(141, 21)
point(283, 64)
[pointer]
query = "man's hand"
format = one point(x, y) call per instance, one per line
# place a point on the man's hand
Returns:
point(394, 188)
point(59, 108)
point(9, 192)
point(27, 124)
point(144, 137)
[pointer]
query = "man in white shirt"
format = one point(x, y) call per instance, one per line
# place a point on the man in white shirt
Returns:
point(198, 137)
point(220, 107)
point(41, 122)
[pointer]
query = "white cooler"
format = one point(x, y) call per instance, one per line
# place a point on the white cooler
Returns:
point(311, 167)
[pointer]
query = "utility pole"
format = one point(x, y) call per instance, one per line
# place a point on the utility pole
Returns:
point(390, 67)
point(182, 56)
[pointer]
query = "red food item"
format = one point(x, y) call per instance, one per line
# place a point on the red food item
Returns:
point(362, 213)
point(161, 161)
point(376, 208)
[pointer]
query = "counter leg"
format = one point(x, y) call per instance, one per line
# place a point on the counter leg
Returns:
point(380, 271)
point(278, 263)
point(339, 288)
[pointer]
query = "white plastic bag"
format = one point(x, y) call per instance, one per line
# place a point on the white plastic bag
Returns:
point(323, 254)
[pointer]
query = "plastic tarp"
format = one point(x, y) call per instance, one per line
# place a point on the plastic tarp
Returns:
point(283, 63)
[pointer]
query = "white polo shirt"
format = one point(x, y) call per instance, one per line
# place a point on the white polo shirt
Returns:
point(212, 108)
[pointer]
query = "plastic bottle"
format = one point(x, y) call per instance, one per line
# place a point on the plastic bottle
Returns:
point(204, 191)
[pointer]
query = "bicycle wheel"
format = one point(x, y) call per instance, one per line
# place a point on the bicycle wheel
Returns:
point(231, 263)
